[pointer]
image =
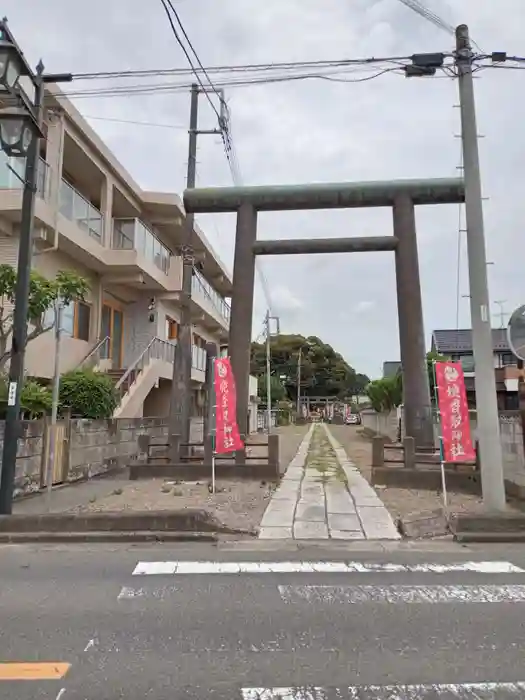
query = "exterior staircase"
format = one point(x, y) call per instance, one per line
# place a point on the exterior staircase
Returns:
point(136, 381)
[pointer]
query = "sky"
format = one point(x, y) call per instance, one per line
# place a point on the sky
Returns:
point(315, 131)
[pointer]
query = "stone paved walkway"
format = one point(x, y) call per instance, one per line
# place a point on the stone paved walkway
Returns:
point(323, 496)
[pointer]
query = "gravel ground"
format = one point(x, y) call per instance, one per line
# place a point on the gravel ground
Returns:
point(400, 502)
point(237, 504)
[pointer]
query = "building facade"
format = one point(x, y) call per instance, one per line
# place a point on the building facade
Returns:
point(91, 217)
point(457, 345)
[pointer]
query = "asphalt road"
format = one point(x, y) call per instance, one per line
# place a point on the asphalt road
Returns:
point(384, 625)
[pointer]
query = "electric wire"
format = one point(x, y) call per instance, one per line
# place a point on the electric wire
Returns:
point(223, 124)
point(247, 67)
point(181, 44)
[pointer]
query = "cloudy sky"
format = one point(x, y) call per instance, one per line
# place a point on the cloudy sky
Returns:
point(315, 130)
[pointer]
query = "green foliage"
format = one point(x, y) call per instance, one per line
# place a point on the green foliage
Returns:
point(35, 399)
point(324, 372)
point(433, 357)
point(88, 394)
point(387, 393)
point(43, 293)
point(278, 392)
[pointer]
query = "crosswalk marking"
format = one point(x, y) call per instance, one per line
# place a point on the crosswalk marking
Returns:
point(153, 568)
point(444, 691)
point(403, 594)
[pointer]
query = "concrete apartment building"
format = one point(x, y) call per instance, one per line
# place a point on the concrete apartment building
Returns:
point(91, 217)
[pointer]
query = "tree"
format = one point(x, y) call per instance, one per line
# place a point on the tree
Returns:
point(324, 372)
point(67, 286)
point(433, 357)
point(387, 393)
point(278, 392)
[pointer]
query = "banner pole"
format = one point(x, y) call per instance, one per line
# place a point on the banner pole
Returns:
point(441, 445)
point(213, 423)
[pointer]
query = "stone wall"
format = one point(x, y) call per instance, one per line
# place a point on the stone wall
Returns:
point(510, 433)
point(90, 448)
point(29, 457)
point(99, 446)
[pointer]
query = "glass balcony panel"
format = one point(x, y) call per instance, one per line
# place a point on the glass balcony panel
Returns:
point(201, 286)
point(123, 234)
point(76, 208)
point(141, 239)
point(198, 358)
point(12, 174)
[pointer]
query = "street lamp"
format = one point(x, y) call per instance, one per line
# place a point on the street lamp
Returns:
point(18, 129)
point(20, 134)
point(12, 63)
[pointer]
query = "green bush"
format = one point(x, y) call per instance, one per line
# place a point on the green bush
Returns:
point(35, 400)
point(88, 394)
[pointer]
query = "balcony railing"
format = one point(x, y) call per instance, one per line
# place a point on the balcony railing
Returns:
point(201, 286)
point(76, 208)
point(10, 181)
point(133, 234)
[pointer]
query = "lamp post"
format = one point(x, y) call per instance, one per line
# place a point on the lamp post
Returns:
point(20, 135)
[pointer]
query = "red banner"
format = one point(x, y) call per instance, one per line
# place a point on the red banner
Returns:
point(455, 422)
point(227, 438)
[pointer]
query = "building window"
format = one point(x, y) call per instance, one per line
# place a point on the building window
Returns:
point(507, 359)
point(76, 319)
point(82, 321)
point(172, 328)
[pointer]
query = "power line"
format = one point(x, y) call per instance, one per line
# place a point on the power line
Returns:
point(135, 123)
point(181, 44)
point(247, 67)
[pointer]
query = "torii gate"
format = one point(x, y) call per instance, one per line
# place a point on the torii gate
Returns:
point(402, 196)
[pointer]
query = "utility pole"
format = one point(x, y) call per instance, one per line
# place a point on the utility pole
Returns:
point(299, 358)
point(268, 375)
point(181, 386)
point(491, 461)
point(267, 321)
point(59, 305)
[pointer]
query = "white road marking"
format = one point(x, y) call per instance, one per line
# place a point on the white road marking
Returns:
point(61, 693)
point(403, 594)
point(159, 593)
point(152, 568)
point(90, 644)
point(447, 691)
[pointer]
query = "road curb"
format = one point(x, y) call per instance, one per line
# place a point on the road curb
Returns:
point(75, 524)
point(107, 537)
point(496, 537)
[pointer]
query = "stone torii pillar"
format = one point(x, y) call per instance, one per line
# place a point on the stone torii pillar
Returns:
point(241, 316)
point(416, 391)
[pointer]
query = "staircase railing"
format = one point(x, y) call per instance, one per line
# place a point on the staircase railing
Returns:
point(98, 352)
point(157, 349)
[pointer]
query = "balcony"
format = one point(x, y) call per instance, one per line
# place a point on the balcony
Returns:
point(201, 287)
point(76, 208)
point(198, 358)
point(133, 234)
point(12, 175)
